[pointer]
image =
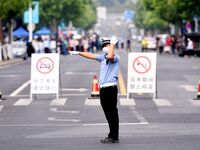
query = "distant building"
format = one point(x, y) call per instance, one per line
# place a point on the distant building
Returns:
point(101, 13)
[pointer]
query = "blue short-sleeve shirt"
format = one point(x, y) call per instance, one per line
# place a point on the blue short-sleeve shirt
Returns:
point(109, 69)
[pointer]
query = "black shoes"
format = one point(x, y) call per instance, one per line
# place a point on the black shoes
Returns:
point(109, 140)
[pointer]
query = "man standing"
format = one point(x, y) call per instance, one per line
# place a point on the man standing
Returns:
point(108, 85)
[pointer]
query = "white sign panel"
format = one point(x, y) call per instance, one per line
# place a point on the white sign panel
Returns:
point(141, 73)
point(44, 73)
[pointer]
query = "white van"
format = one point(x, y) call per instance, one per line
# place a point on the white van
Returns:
point(19, 49)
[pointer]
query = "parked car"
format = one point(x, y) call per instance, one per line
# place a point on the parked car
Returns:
point(151, 43)
point(19, 49)
point(148, 43)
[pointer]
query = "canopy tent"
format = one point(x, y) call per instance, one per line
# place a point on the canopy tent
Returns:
point(43, 31)
point(20, 32)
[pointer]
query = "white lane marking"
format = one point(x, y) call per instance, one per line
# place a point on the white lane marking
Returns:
point(138, 115)
point(67, 124)
point(123, 102)
point(21, 88)
point(195, 102)
point(189, 88)
point(195, 67)
point(39, 125)
point(121, 124)
point(63, 120)
point(127, 102)
point(8, 76)
point(92, 102)
point(63, 111)
point(1, 107)
point(63, 95)
point(162, 102)
point(79, 73)
point(23, 102)
point(75, 89)
point(58, 102)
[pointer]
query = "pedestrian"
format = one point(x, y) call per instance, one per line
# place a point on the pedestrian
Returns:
point(128, 45)
point(168, 44)
point(121, 42)
point(160, 45)
point(46, 45)
point(108, 85)
point(85, 44)
point(173, 44)
point(30, 49)
point(190, 45)
point(40, 43)
point(144, 44)
point(179, 44)
point(188, 27)
point(35, 44)
point(52, 45)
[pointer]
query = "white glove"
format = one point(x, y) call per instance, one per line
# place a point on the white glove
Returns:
point(74, 52)
point(113, 40)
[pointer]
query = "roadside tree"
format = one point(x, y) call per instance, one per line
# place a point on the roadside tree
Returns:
point(10, 10)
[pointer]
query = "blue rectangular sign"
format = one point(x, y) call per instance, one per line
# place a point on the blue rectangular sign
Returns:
point(35, 15)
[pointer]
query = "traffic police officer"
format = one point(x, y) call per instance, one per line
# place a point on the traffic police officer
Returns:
point(108, 84)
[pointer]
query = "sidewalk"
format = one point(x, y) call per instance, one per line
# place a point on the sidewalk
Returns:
point(11, 61)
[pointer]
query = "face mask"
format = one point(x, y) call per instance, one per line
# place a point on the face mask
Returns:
point(105, 49)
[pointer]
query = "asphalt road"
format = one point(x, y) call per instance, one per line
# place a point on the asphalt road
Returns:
point(75, 122)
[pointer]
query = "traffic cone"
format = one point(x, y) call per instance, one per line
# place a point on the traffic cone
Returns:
point(198, 92)
point(95, 87)
point(1, 98)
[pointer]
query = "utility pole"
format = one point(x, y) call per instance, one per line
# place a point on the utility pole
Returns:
point(30, 23)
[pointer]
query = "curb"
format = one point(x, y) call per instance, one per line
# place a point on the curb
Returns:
point(9, 62)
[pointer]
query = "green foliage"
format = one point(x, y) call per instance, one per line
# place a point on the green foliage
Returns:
point(151, 13)
point(188, 8)
point(80, 12)
point(146, 18)
point(88, 17)
point(140, 15)
point(152, 21)
point(148, 4)
point(12, 8)
point(166, 9)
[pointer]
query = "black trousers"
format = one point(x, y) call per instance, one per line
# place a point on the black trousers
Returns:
point(108, 98)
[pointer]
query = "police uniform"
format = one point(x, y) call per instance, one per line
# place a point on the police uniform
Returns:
point(108, 91)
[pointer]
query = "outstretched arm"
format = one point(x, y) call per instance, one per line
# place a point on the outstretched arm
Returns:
point(87, 55)
point(84, 54)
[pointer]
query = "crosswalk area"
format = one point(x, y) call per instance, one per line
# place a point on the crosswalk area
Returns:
point(93, 102)
point(81, 110)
